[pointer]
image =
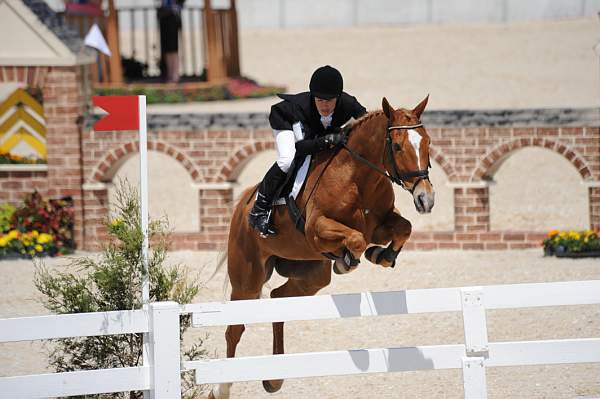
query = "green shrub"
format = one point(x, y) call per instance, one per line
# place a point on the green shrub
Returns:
point(6, 212)
point(113, 281)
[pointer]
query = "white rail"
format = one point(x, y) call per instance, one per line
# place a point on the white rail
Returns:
point(389, 360)
point(472, 357)
point(160, 377)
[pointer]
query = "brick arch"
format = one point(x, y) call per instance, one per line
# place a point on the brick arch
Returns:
point(438, 156)
point(102, 170)
point(493, 159)
point(232, 165)
point(243, 155)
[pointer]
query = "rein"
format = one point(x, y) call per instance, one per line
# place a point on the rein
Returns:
point(395, 176)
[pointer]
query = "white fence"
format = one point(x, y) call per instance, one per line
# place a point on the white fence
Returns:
point(160, 375)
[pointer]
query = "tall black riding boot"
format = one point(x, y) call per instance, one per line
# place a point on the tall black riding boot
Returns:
point(260, 215)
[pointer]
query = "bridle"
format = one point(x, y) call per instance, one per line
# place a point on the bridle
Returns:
point(388, 152)
point(396, 176)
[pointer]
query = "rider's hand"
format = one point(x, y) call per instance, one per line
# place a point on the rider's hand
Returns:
point(333, 140)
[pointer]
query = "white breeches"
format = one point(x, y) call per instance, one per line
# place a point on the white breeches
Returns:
point(285, 140)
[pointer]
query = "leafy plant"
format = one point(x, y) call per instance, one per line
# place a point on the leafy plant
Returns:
point(28, 244)
point(6, 158)
point(6, 212)
point(234, 88)
point(54, 217)
point(113, 281)
point(558, 242)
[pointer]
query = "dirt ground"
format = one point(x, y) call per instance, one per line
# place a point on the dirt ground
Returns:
point(415, 270)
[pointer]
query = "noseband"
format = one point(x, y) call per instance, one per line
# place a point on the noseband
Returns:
point(396, 176)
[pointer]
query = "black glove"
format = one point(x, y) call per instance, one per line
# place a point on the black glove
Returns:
point(333, 140)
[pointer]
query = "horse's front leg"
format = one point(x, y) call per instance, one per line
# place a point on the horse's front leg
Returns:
point(395, 229)
point(331, 236)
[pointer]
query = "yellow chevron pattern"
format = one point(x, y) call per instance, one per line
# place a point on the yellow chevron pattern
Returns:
point(22, 125)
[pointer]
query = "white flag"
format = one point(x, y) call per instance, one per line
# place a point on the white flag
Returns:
point(95, 39)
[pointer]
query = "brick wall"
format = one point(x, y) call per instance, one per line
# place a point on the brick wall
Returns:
point(65, 99)
point(15, 184)
point(214, 155)
point(213, 148)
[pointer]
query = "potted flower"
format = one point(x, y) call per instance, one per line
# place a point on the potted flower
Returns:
point(572, 244)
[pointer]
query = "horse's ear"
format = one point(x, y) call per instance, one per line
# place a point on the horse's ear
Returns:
point(421, 107)
point(387, 108)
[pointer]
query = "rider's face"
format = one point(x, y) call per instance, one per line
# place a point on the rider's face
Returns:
point(325, 107)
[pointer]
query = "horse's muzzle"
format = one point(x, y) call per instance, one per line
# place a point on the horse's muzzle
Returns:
point(424, 201)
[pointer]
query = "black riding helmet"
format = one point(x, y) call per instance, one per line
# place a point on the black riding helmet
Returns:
point(326, 83)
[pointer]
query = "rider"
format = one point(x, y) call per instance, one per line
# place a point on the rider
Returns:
point(303, 124)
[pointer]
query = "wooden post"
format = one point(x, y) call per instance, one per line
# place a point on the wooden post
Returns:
point(112, 36)
point(215, 65)
point(233, 69)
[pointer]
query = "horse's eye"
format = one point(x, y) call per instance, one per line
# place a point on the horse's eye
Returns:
point(397, 147)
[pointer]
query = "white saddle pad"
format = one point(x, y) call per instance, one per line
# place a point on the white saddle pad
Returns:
point(298, 182)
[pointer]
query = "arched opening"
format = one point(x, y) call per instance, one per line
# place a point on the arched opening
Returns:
point(441, 217)
point(252, 171)
point(537, 190)
point(170, 189)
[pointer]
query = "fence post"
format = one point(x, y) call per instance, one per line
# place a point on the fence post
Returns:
point(165, 362)
point(476, 343)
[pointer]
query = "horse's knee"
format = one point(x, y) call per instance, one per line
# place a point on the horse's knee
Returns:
point(356, 243)
point(403, 229)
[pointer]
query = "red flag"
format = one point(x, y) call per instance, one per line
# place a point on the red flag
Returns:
point(123, 113)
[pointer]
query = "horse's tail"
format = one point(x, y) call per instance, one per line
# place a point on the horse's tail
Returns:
point(221, 261)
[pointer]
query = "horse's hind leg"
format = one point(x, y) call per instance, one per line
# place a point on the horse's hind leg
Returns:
point(246, 281)
point(305, 278)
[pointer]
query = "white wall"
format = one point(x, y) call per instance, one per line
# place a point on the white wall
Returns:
point(346, 13)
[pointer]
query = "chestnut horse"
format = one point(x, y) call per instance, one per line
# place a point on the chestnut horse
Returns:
point(351, 206)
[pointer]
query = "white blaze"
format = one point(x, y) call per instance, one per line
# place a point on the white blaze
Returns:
point(415, 139)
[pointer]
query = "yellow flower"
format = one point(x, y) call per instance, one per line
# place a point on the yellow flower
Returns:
point(39, 248)
point(13, 234)
point(44, 238)
point(32, 252)
point(3, 241)
point(35, 233)
point(116, 222)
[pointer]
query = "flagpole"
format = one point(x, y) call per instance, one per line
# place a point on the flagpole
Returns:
point(144, 196)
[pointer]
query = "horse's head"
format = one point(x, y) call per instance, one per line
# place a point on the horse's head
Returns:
point(407, 153)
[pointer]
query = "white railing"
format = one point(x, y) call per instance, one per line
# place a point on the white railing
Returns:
point(472, 357)
point(159, 376)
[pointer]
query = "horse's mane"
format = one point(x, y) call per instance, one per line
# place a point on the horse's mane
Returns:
point(365, 118)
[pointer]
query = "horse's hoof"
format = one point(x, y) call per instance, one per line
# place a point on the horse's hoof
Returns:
point(340, 267)
point(272, 386)
point(372, 253)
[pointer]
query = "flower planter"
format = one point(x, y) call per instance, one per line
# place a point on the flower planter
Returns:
point(587, 254)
